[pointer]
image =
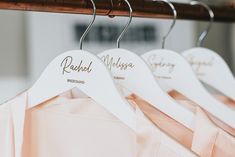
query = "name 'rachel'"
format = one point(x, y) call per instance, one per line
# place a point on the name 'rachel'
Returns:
point(68, 66)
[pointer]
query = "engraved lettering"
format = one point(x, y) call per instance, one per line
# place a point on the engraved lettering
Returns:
point(197, 64)
point(112, 63)
point(160, 63)
point(75, 81)
point(119, 78)
point(68, 66)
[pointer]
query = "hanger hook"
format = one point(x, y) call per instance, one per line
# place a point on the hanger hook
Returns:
point(206, 31)
point(127, 25)
point(89, 26)
point(173, 22)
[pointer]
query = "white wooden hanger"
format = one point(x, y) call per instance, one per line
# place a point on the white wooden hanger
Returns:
point(131, 72)
point(177, 73)
point(208, 65)
point(88, 73)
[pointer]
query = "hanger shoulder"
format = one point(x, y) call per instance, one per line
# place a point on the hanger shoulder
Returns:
point(133, 73)
point(183, 79)
point(88, 73)
point(212, 70)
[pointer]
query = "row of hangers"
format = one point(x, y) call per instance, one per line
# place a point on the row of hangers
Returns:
point(142, 75)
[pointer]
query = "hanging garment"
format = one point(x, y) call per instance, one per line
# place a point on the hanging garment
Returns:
point(207, 139)
point(191, 106)
point(78, 127)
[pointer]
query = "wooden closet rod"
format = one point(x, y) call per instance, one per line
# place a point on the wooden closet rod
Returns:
point(141, 8)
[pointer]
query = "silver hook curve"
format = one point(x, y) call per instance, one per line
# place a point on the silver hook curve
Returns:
point(206, 31)
point(127, 25)
point(89, 26)
point(173, 23)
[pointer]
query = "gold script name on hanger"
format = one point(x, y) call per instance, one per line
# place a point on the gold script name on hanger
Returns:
point(198, 64)
point(113, 62)
point(68, 66)
point(117, 63)
point(161, 64)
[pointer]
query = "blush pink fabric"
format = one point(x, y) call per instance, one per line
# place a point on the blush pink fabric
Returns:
point(207, 139)
point(66, 126)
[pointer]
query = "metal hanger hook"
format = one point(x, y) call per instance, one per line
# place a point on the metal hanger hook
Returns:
point(206, 31)
point(89, 26)
point(127, 25)
point(173, 23)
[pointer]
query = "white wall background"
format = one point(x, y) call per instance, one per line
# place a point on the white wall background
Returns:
point(13, 55)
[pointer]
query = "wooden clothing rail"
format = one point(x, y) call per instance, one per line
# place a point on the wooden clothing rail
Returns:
point(141, 8)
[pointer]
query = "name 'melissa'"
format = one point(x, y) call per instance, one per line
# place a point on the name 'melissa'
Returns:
point(112, 62)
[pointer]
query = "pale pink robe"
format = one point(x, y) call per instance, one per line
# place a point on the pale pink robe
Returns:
point(78, 127)
point(207, 139)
